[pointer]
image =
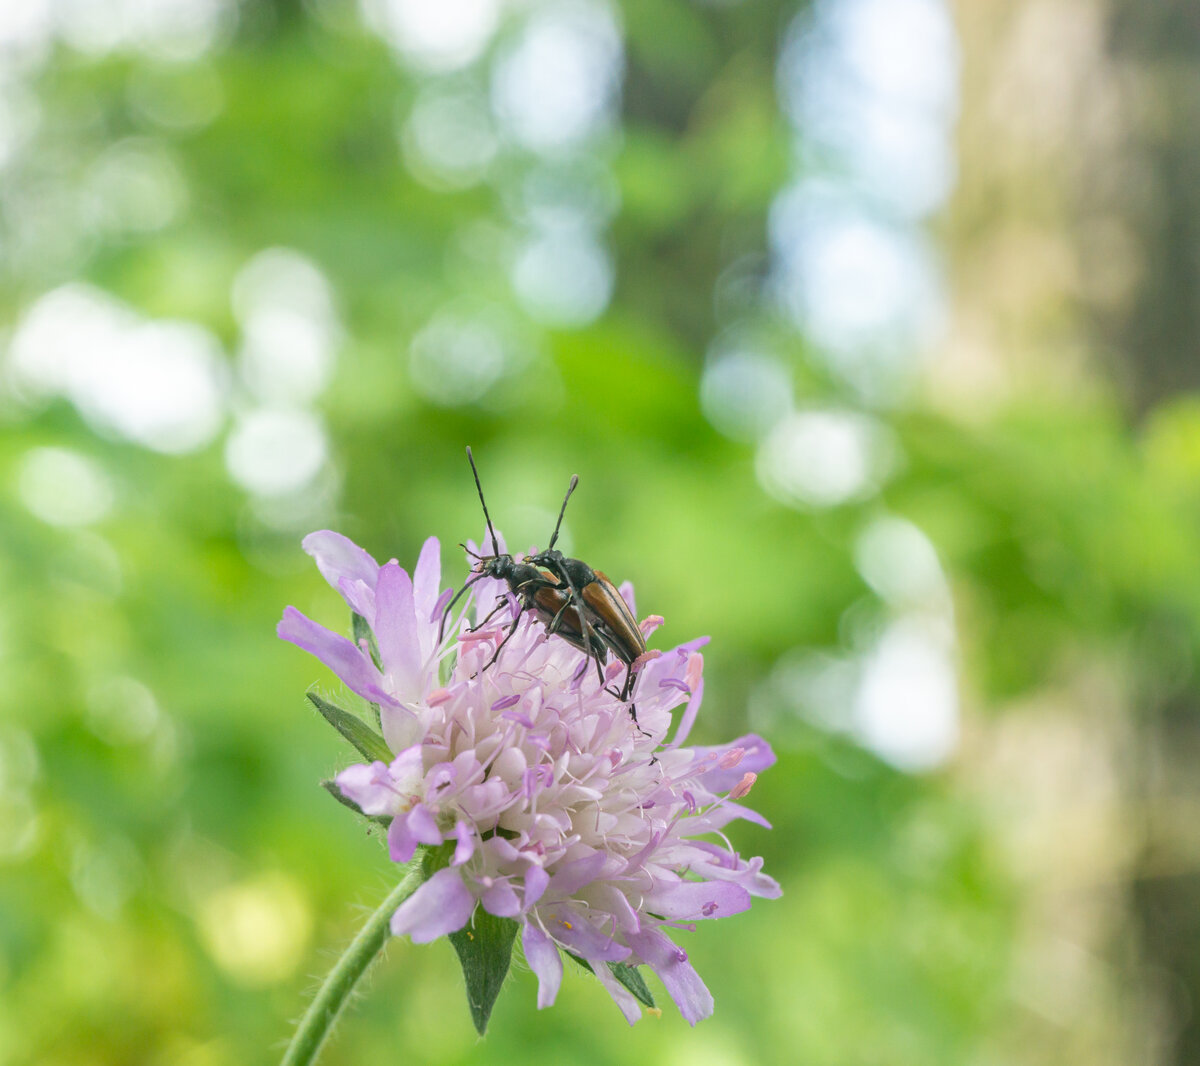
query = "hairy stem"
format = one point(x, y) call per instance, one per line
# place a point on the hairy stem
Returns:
point(322, 1013)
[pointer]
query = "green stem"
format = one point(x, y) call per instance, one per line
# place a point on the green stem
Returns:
point(322, 1013)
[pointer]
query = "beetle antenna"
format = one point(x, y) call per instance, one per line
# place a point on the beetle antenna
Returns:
point(491, 528)
point(450, 606)
point(563, 509)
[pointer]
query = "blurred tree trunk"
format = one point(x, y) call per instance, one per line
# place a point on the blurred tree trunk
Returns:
point(1075, 237)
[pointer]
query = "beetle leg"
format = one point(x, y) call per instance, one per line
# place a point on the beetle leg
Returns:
point(501, 603)
point(630, 679)
point(627, 692)
point(556, 621)
point(500, 647)
point(593, 643)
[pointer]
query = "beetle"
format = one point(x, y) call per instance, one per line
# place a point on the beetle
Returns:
point(598, 600)
point(535, 591)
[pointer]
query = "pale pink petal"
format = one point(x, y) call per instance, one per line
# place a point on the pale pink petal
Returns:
point(359, 596)
point(571, 929)
point(402, 844)
point(350, 663)
point(693, 900)
point(721, 815)
point(465, 846)
point(401, 728)
point(427, 578)
point(678, 976)
point(757, 757)
point(423, 825)
point(371, 787)
point(339, 558)
point(572, 876)
point(688, 718)
point(501, 900)
point(536, 880)
point(442, 905)
point(544, 960)
point(396, 631)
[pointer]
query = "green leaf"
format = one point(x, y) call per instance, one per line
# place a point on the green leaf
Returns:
point(369, 743)
point(332, 788)
point(627, 975)
point(484, 949)
point(631, 978)
point(361, 629)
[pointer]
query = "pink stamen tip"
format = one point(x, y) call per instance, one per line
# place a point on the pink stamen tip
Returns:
point(695, 669)
point(437, 697)
point(743, 786)
point(649, 624)
point(731, 758)
point(613, 668)
point(646, 657)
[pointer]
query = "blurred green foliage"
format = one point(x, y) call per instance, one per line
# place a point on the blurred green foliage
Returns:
point(173, 876)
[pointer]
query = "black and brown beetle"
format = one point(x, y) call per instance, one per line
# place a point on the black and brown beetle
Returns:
point(555, 607)
point(600, 603)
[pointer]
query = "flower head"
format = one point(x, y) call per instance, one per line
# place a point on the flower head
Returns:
point(598, 834)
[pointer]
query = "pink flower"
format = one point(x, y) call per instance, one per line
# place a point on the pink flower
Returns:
point(598, 835)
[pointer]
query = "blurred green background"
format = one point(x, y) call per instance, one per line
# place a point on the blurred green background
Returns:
point(871, 329)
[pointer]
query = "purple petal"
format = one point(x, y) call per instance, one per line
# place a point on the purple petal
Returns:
point(339, 558)
point(359, 597)
point(370, 786)
point(688, 718)
point(439, 607)
point(407, 769)
point(423, 825)
point(544, 960)
point(427, 576)
point(339, 654)
point(396, 629)
point(442, 905)
point(605, 896)
point(678, 976)
point(720, 864)
point(465, 847)
point(626, 591)
point(401, 843)
point(401, 728)
point(501, 900)
point(572, 876)
point(576, 934)
point(536, 880)
point(763, 885)
point(692, 900)
point(727, 812)
point(758, 757)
